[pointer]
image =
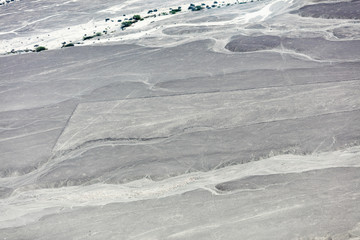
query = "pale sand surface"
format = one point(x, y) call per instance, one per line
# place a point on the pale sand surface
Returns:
point(238, 122)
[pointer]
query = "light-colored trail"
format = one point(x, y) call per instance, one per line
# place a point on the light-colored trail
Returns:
point(25, 206)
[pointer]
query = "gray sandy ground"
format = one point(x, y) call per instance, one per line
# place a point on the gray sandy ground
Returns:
point(285, 206)
point(341, 10)
point(206, 94)
point(250, 44)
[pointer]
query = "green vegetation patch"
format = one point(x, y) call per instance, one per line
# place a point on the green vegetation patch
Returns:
point(137, 17)
point(126, 24)
point(68, 45)
point(98, 34)
point(88, 37)
point(174, 11)
point(40, 48)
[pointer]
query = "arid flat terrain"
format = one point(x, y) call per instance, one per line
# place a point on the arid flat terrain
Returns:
point(180, 120)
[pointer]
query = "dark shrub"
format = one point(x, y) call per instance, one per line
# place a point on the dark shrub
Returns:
point(136, 17)
point(173, 11)
point(126, 24)
point(40, 48)
point(87, 37)
point(69, 45)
